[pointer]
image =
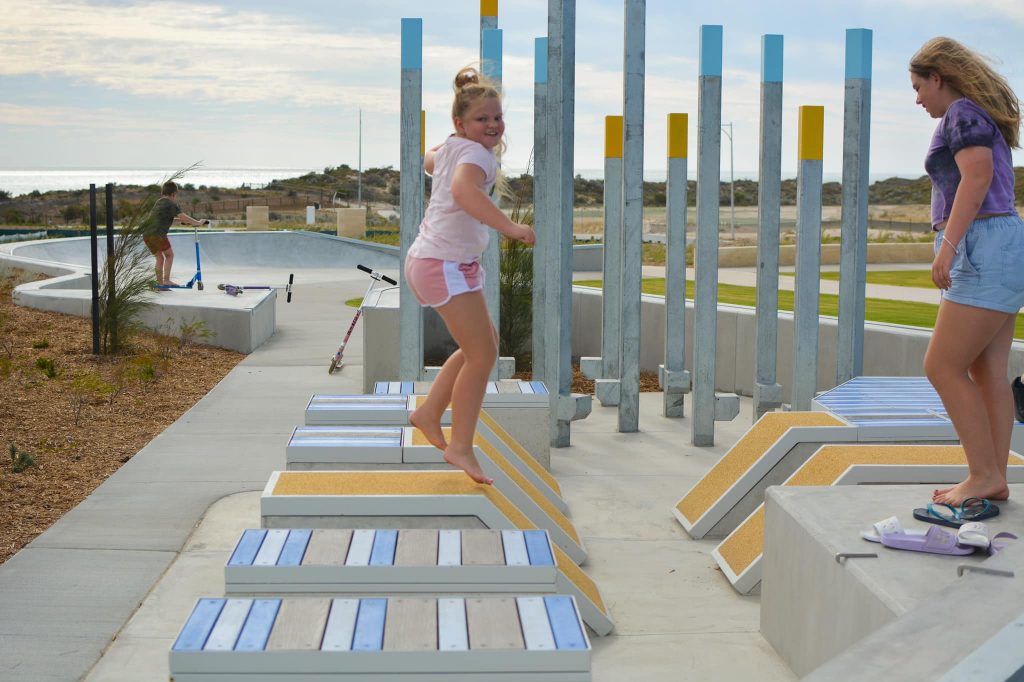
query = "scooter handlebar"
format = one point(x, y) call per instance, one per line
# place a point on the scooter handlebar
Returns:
point(376, 275)
point(388, 279)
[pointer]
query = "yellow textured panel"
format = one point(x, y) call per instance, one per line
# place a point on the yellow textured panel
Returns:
point(745, 544)
point(578, 578)
point(678, 136)
point(488, 8)
point(513, 445)
point(741, 456)
point(811, 133)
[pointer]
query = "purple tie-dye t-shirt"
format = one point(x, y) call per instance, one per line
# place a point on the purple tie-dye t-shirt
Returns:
point(967, 125)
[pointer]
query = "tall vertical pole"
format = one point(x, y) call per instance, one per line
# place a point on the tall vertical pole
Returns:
point(410, 366)
point(607, 387)
point(854, 247)
point(675, 380)
point(732, 189)
point(808, 256)
point(359, 195)
point(94, 246)
point(709, 150)
point(561, 107)
point(111, 273)
point(542, 223)
point(767, 392)
point(632, 212)
point(490, 66)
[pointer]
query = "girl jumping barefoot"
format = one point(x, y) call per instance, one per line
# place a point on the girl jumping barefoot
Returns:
point(979, 255)
point(442, 267)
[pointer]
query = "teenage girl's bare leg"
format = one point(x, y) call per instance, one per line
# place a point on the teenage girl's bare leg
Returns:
point(427, 417)
point(967, 348)
point(469, 324)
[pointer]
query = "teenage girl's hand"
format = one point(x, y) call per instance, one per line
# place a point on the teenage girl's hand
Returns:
point(941, 265)
point(523, 234)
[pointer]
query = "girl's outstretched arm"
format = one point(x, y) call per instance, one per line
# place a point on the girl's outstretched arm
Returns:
point(466, 190)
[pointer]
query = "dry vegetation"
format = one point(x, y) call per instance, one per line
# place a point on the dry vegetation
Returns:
point(74, 418)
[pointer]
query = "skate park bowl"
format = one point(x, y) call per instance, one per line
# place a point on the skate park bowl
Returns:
point(240, 323)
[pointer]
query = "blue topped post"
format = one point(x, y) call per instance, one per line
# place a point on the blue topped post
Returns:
point(411, 204)
point(541, 221)
point(490, 66)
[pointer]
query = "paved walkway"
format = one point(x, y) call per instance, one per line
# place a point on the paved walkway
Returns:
point(102, 593)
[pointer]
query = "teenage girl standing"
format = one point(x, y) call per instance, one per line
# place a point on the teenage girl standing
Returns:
point(442, 267)
point(979, 255)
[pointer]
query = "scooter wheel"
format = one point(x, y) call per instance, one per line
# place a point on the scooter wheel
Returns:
point(199, 285)
point(334, 366)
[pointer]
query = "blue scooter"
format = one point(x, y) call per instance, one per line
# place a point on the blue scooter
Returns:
point(197, 279)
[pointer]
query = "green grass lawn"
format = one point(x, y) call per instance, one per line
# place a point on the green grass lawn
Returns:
point(921, 279)
point(875, 309)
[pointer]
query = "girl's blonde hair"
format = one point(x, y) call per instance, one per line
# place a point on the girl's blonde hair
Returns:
point(470, 85)
point(971, 75)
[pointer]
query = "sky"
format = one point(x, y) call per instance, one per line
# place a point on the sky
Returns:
point(233, 83)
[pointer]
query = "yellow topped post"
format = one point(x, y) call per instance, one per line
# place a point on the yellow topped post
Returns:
point(488, 8)
point(812, 133)
point(678, 136)
point(613, 135)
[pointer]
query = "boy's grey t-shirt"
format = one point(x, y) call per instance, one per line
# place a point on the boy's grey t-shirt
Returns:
point(966, 124)
point(161, 216)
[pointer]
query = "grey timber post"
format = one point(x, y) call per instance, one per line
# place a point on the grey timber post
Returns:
point(541, 221)
point(767, 391)
point(490, 66)
point(808, 256)
point(410, 365)
point(854, 243)
point(632, 213)
point(675, 380)
point(707, 406)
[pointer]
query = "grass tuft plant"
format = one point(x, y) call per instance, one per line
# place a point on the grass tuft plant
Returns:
point(20, 459)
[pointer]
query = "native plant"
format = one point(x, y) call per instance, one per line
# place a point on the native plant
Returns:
point(122, 304)
point(85, 389)
point(516, 286)
point(20, 459)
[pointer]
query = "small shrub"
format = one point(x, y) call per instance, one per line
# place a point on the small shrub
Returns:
point(42, 343)
point(47, 367)
point(20, 459)
point(191, 332)
point(86, 388)
point(146, 368)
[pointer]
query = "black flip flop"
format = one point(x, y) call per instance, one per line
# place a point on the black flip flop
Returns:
point(972, 509)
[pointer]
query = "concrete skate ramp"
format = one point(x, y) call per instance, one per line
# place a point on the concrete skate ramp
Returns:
point(281, 249)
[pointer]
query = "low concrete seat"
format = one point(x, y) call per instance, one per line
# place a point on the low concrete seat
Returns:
point(397, 638)
point(369, 447)
point(332, 499)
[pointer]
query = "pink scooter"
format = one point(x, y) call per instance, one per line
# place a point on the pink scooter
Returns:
point(375, 277)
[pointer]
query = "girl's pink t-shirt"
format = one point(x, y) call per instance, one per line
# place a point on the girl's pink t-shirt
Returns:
point(447, 232)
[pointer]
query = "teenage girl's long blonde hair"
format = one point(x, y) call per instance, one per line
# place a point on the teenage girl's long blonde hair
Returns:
point(470, 85)
point(971, 75)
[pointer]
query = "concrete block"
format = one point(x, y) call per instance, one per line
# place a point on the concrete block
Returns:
point(506, 367)
point(257, 217)
point(351, 222)
point(572, 407)
point(608, 391)
point(591, 367)
point(727, 407)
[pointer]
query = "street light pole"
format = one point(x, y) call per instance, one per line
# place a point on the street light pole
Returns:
point(732, 185)
point(359, 196)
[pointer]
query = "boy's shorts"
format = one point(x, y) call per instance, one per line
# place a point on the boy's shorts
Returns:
point(434, 281)
point(157, 243)
point(989, 270)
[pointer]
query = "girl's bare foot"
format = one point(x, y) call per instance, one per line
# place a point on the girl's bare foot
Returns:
point(987, 489)
point(938, 492)
point(430, 426)
point(466, 460)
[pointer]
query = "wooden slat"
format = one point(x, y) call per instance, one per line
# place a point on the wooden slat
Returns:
point(198, 626)
point(536, 626)
point(383, 552)
point(411, 625)
point(482, 548)
point(369, 632)
point(360, 548)
point(515, 548)
point(416, 547)
point(493, 624)
point(449, 548)
point(299, 626)
point(565, 623)
point(229, 625)
point(452, 634)
point(247, 547)
point(271, 548)
point(327, 548)
point(341, 625)
point(258, 625)
point(509, 387)
point(294, 547)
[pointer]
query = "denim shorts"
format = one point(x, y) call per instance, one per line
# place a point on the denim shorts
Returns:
point(988, 272)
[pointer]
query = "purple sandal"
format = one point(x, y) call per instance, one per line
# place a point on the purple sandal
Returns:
point(935, 541)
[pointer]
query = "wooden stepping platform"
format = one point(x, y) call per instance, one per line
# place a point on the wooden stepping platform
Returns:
point(362, 447)
point(739, 555)
point(298, 499)
point(398, 638)
point(388, 561)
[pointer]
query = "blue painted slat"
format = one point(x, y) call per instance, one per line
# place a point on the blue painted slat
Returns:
point(771, 58)
point(369, 634)
point(258, 625)
point(412, 43)
point(564, 623)
point(407, 388)
point(540, 60)
point(247, 547)
point(538, 548)
point(539, 387)
point(380, 388)
point(383, 552)
point(294, 547)
point(711, 50)
point(199, 624)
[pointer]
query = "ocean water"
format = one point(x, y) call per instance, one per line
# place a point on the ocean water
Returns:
point(17, 182)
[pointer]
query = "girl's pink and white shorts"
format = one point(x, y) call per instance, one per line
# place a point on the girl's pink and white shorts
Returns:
point(434, 281)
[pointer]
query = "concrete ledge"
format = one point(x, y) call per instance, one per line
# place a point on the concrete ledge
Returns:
point(813, 607)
